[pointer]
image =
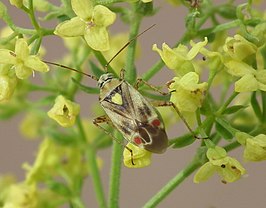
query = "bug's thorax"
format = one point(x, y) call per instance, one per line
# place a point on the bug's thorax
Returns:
point(106, 83)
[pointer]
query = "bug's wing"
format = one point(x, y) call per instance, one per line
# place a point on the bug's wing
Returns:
point(118, 106)
point(124, 124)
point(142, 110)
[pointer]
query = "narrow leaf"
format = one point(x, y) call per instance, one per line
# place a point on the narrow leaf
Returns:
point(60, 137)
point(224, 129)
point(89, 90)
point(234, 109)
point(182, 141)
point(59, 188)
point(95, 69)
point(256, 106)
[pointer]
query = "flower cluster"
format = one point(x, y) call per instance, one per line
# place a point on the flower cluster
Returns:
point(17, 64)
point(91, 22)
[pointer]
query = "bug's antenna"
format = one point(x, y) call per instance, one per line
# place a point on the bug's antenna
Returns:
point(72, 69)
point(130, 41)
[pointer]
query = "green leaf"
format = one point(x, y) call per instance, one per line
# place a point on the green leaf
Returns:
point(8, 110)
point(96, 70)
point(89, 90)
point(61, 138)
point(256, 106)
point(3, 10)
point(234, 109)
point(227, 11)
point(182, 141)
point(59, 188)
point(224, 129)
point(207, 108)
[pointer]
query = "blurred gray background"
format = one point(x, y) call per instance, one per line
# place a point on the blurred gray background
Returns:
point(138, 185)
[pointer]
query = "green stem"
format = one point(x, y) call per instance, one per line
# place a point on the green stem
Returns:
point(228, 101)
point(32, 16)
point(173, 183)
point(16, 29)
point(95, 174)
point(130, 70)
point(152, 71)
point(219, 28)
point(33, 87)
point(77, 203)
point(231, 146)
point(93, 167)
point(7, 39)
point(114, 190)
point(263, 98)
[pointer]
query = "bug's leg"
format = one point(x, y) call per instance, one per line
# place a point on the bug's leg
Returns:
point(141, 81)
point(122, 73)
point(169, 103)
point(104, 119)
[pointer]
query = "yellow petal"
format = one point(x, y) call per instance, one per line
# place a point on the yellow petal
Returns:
point(82, 8)
point(22, 49)
point(204, 173)
point(97, 38)
point(35, 63)
point(6, 57)
point(247, 83)
point(71, 28)
point(102, 16)
point(23, 72)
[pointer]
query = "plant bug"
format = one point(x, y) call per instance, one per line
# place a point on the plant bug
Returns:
point(129, 112)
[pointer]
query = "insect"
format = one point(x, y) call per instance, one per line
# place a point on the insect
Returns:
point(129, 112)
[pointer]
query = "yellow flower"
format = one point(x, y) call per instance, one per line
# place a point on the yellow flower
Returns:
point(91, 22)
point(227, 167)
point(179, 59)
point(21, 196)
point(239, 48)
point(23, 63)
point(16, 3)
point(250, 79)
point(64, 111)
point(186, 93)
point(141, 157)
point(255, 147)
point(54, 160)
point(8, 82)
point(31, 124)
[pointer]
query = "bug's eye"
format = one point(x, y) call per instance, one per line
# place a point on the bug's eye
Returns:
point(138, 140)
point(156, 122)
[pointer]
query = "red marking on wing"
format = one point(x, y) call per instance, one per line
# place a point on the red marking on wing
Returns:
point(137, 140)
point(156, 122)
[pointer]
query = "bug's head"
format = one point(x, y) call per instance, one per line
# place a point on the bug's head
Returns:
point(105, 78)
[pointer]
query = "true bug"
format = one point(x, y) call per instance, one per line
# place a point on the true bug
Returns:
point(129, 112)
